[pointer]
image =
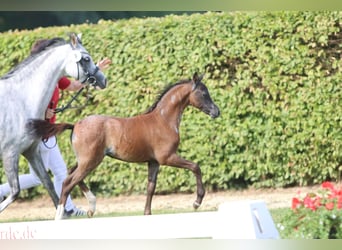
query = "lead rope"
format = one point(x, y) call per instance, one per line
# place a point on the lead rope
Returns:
point(45, 140)
point(68, 105)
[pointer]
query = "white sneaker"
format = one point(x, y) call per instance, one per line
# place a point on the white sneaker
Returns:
point(77, 212)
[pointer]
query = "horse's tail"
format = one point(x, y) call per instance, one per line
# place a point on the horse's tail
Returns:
point(44, 129)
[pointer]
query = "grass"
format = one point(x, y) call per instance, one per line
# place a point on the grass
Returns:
point(278, 215)
point(97, 215)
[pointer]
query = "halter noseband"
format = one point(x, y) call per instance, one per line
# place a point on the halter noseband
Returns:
point(90, 77)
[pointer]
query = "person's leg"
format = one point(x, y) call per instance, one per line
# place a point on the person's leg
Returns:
point(26, 181)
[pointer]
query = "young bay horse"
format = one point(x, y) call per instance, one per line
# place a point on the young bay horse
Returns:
point(151, 137)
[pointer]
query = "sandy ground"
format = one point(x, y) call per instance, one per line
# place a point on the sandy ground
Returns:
point(42, 208)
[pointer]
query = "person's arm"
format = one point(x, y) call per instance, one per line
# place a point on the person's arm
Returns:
point(74, 85)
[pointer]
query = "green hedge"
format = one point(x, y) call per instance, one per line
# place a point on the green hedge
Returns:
point(276, 77)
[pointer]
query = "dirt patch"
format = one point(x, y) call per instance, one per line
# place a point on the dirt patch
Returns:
point(42, 208)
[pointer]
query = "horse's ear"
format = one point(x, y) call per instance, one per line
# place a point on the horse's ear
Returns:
point(74, 40)
point(79, 38)
point(196, 78)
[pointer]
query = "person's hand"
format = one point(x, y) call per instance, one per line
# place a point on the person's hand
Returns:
point(49, 113)
point(104, 63)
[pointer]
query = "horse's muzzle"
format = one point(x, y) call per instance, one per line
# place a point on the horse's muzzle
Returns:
point(103, 84)
point(214, 112)
point(99, 80)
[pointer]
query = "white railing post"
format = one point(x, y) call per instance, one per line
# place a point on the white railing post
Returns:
point(244, 220)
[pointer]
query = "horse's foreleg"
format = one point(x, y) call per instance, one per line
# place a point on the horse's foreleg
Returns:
point(153, 168)
point(179, 162)
point(10, 163)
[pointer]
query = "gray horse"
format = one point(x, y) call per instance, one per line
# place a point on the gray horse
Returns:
point(25, 92)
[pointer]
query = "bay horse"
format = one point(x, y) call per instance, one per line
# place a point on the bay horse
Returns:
point(151, 137)
point(25, 92)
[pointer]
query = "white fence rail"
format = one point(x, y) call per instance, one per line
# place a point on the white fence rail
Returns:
point(233, 220)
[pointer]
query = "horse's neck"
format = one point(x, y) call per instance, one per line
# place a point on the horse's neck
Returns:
point(40, 82)
point(172, 105)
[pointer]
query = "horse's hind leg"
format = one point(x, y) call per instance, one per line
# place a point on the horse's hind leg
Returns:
point(90, 197)
point(88, 194)
point(153, 168)
point(69, 183)
point(35, 160)
point(10, 162)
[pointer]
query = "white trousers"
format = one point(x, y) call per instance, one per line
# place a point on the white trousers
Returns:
point(54, 162)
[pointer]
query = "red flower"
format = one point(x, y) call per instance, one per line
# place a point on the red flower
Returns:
point(296, 203)
point(329, 206)
point(339, 202)
point(328, 185)
point(317, 201)
point(310, 202)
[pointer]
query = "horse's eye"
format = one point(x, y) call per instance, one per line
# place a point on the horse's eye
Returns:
point(86, 58)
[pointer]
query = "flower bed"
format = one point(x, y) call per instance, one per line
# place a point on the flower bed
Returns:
point(315, 215)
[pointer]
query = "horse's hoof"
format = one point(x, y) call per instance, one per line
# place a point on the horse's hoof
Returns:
point(90, 213)
point(196, 205)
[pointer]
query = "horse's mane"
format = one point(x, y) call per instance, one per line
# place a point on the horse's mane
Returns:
point(166, 89)
point(43, 46)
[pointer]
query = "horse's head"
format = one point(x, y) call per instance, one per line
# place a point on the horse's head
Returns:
point(82, 67)
point(200, 97)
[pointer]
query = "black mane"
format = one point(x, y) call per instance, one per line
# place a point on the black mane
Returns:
point(162, 94)
point(48, 44)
